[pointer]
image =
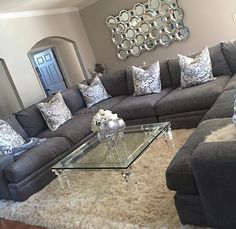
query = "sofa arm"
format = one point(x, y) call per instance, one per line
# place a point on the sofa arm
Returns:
point(214, 168)
point(4, 191)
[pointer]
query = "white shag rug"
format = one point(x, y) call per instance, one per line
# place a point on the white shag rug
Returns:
point(102, 199)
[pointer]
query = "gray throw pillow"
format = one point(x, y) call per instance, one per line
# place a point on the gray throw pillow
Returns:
point(55, 112)
point(9, 138)
point(196, 71)
point(94, 93)
point(146, 81)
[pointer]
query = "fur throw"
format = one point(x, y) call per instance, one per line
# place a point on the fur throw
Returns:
point(227, 133)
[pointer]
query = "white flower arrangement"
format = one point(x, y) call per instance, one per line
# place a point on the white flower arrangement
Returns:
point(100, 117)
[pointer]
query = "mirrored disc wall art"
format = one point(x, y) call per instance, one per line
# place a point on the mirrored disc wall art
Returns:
point(146, 26)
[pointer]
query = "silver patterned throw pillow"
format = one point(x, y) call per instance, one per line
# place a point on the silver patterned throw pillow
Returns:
point(146, 81)
point(94, 93)
point(196, 71)
point(9, 138)
point(55, 112)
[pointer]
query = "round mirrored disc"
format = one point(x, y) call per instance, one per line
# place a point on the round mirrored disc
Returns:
point(135, 50)
point(135, 21)
point(165, 40)
point(124, 16)
point(122, 54)
point(139, 39)
point(182, 34)
point(126, 44)
point(153, 4)
point(117, 39)
point(111, 22)
point(149, 44)
point(138, 9)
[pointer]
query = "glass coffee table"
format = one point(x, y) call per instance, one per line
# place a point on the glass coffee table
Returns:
point(94, 155)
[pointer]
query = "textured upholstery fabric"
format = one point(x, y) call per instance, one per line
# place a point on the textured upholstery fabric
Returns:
point(115, 83)
point(5, 160)
point(179, 174)
point(31, 120)
point(189, 208)
point(164, 74)
point(134, 107)
point(183, 120)
point(191, 99)
point(229, 50)
point(32, 160)
point(175, 71)
point(12, 121)
point(75, 129)
point(106, 105)
point(231, 84)
point(214, 169)
point(219, 63)
point(223, 107)
point(73, 99)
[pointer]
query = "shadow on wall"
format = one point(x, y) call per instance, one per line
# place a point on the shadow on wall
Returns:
point(10, 101)
point(57, 63)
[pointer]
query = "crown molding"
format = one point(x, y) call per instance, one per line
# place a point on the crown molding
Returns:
point(37, 13)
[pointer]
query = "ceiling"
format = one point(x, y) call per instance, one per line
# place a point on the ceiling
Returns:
point(7, 6)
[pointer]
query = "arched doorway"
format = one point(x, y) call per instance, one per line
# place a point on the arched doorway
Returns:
point(57, 64)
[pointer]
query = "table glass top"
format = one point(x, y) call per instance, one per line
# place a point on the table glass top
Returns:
point(95, 155)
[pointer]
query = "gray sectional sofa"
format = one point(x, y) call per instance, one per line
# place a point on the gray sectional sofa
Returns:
point(24, 175)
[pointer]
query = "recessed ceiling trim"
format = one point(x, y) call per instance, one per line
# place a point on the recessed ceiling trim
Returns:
point(36, 13)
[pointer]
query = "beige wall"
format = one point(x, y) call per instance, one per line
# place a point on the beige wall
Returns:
point(8, 99)
point(209, 22)
point(19, 35)
point(70, 62)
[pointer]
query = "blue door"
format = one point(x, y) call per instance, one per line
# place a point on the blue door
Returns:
point(49, 72)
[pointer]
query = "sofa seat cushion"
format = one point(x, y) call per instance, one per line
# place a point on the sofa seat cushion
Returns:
point(223, 107)
point(179, 174)
point(106, 105)
point(75, 129)
point(200, 97)
point(135, 107)
point(231, 84)
point(35, 158)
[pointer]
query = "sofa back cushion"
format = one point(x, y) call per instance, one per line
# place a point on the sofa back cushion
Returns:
point(12, 121)
point(115, 83)
point(164, 74)
point(219, 65)
point(73, 99)
point(31, 120)
point(229, 50)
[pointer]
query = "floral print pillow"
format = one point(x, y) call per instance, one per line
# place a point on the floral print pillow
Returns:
point(146, 81)
point(196, 71)
point(55, 112)
point(9, 138)
point(94, 93)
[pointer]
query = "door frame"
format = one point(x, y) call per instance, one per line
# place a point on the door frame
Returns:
point(58, 58)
